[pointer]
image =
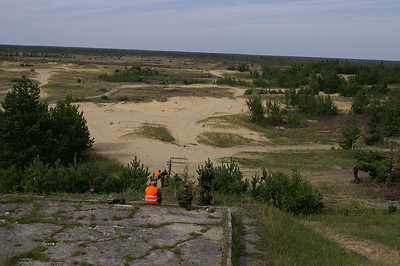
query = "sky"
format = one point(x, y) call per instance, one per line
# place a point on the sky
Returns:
point(352, 29)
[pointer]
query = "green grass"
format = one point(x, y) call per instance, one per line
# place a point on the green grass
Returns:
point(225, 237)
point(366, 223)
point(151, 131)
point(78, 253)
point(194, 234)
point(237, 246)
point(223, 140)
point(288, 242)
point(133, 211)
point(35, 254)
point(316, 160)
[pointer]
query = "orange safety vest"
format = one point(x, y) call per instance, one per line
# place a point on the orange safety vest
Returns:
point(151, 195)
point(157, 175)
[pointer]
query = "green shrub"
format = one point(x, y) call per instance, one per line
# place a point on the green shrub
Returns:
point(134, 176)
point(289, 192)
point(373, 162)
point(275, 114)
point(257, 110)
point(392, 209)
point(248, 91)
point(132, 74)
point(228, 178)
point(40, 178)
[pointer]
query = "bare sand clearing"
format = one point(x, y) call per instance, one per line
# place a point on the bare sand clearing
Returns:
point(110, 123)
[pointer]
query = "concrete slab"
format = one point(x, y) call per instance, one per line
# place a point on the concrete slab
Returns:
point(105, 234)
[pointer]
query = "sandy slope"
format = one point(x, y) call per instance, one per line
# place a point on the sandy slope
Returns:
point(108, 123)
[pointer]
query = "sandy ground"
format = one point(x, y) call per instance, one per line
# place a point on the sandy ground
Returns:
point(110, 123)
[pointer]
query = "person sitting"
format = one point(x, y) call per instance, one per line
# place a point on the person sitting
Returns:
point(185, 198)
point(153, 194)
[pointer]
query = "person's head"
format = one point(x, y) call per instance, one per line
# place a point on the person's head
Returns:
point(153, 183)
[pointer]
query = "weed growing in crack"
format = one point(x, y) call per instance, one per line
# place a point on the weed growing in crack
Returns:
point(133, 211)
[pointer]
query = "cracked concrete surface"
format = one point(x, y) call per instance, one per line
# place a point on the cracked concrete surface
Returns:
point(77, 232)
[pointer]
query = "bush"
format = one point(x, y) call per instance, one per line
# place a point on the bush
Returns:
point(134, 176)
point(275, 114)
point(228, 178)
point(290, 192)
point(39, 178)
point(376, 163)
point(132, 74)
point(350, 131)
point(28, 128)
point(257, 110)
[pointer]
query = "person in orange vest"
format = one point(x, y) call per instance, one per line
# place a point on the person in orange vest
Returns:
point(157, 176)
point(153, 194)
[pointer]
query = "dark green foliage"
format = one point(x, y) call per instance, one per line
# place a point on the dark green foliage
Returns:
point(361, 102)
point(70, 134)
point(134, 176)
point(350, 131)
point(260, 82)
point(24, 125)
point(248, 91)
point(392, 209)
point(242, 67)
point(257, 110)
point(350, 89)
point(376, 163)
point(384, 116)
point(289, 77)
point(331, 82)
point(227, 80)
point(275, 114)
point(310, 103)
point(40, 178)
point(132, 74)
point(28, 129)
point(228, 178)
point(113, 184)
point(289, 192)
point(78, 177)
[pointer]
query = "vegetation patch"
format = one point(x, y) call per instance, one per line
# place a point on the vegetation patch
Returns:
point(151, 131)
point(316, 160)
point(223, 140)
point(288, 242)
point(365, 223)
point(35, 254)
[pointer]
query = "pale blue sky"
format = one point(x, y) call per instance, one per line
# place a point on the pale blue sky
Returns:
point(361, 29)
